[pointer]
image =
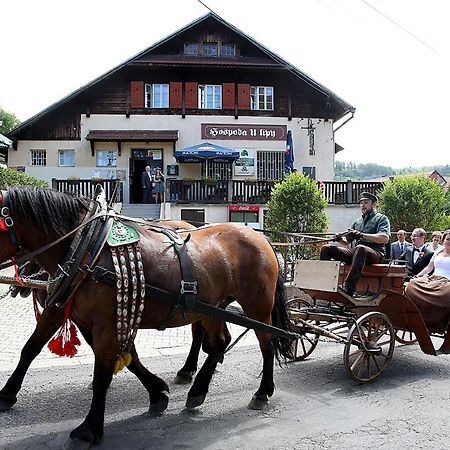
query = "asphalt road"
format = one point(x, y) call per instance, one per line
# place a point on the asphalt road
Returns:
point(316, 406)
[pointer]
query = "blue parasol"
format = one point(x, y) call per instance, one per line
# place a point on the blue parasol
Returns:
point(289, 154)
point(206, 152)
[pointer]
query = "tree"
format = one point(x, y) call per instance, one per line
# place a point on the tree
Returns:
point(297, 205)
point(413, 201)
point(8, 121)
point(9, 178)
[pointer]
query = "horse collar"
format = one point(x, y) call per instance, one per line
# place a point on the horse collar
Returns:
point(6, 221)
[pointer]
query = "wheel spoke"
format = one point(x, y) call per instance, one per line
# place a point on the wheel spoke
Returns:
point(356, 361)
point(376, 362)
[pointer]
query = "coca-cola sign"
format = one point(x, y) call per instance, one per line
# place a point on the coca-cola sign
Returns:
point(244, 132)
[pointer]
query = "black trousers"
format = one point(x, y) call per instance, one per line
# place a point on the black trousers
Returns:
point(358, 257)
point(146, 196)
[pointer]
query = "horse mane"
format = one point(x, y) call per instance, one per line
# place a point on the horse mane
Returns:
point(50, 210)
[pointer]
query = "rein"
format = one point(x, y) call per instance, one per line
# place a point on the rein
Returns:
point(40, 250)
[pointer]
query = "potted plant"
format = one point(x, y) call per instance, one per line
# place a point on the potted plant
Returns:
point(209, 180)
point(187, 180)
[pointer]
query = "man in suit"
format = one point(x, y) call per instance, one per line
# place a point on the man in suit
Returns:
point(418, 255)
point(398, 247)
point(146, 181)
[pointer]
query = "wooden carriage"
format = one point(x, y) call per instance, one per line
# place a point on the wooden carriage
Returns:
point(368, 326)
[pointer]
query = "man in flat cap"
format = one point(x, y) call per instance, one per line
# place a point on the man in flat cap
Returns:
point(370, 233)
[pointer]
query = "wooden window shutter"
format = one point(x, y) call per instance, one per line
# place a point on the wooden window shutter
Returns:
point(243, 96)
point(137, 94)
point(228, 96)
point(176, 94)
point(191, 94)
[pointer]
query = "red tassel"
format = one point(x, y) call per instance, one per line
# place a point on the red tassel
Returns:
point(56, 345)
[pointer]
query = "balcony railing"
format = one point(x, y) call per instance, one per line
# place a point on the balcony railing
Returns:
point(248, 192)
point(113, 188)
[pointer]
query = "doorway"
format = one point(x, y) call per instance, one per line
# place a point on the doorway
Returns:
point(139, 159)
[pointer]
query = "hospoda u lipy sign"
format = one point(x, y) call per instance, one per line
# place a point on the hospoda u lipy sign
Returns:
point(244, 132)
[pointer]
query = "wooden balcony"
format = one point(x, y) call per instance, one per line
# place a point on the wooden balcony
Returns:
point(82, 187)
point(258, 192)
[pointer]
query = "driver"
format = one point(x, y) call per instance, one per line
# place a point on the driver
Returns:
point(370, 233)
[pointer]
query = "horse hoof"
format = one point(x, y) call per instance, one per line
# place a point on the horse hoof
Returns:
point(194, 402)
point(160, 406)
point(76, 444)
point(6, 403)
point(258, 403)
point(183, 378)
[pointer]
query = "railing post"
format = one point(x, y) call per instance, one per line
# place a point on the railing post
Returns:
point(230, 192)
point(349, 188)
point(54, 184)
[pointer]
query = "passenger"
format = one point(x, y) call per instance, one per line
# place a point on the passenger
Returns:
point(431, 293)
point(400, 245)
point(371, 233)
point(435, 243)
point(417, 256)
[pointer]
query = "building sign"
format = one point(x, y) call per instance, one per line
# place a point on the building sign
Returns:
point(245, 164)
point(244, 208)
point(244, 132)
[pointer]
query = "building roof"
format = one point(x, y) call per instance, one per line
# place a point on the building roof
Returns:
point(140, 58)
point(132, 135)
point(5, 142)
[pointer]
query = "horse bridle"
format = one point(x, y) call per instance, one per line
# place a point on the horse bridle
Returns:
point(6, 221)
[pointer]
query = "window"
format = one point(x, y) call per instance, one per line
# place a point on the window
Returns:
point(270, 165)
point(261, 98)
point(218, 170)
point(66, 158)
point(228, 50)
point(244, 216)
point(38, 157)
point(310, 171)
point(191, 49)
point(210, 96)
point(156, 95)
point(106, 158)
point(210, 49)
point(194, 216)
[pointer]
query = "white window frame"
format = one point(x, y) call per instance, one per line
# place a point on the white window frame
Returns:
point(262, 98)
point(270, 165)
point(230, 46)
point(155, 94)
point(102, 158)
point(191, 45)
point(207, 96)
point(38, 157)
point(64, 160)
point(211, 45)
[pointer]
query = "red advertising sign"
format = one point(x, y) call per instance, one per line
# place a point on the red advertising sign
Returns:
point(245, 208)
point(244, 132)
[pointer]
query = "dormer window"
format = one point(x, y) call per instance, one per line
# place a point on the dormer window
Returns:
point(210, 49)
point(191, 49)
point(228, 50)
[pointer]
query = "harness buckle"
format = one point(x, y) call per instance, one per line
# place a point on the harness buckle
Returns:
point(8, 221)
point(4, 212)
point(188, 287)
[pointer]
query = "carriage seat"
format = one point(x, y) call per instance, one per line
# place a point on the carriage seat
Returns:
point(382, 270)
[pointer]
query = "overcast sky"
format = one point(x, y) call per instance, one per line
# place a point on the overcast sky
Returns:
point(388, 58)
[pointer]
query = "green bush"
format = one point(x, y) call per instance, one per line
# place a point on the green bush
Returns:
point(414, 201)
point(296, 205)
point(9, 178)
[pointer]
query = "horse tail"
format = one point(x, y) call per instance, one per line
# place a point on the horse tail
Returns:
point(280, 319)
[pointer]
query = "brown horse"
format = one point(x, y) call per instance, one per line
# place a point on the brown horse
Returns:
point(230, 262)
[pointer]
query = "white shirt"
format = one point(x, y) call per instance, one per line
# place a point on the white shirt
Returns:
point(416, 253)
point(441, 265)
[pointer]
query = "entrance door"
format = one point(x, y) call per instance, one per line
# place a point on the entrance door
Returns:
point(139, 159)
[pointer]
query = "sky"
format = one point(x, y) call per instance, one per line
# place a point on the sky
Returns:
point(390, 59)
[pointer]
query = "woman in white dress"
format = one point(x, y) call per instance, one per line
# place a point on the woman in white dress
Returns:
point(431, 293)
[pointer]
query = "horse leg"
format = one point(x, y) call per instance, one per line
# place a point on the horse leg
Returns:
point(49, 322)
point(260, 399)
point(215, 343)
point(91, 429)
point(186, 373)
point(154, 385)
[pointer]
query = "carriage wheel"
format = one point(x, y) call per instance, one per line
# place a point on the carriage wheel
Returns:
point(405, 337)
point(369, 347)
point(305, 345)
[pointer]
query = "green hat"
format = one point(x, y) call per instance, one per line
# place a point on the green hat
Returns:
point(368, 196)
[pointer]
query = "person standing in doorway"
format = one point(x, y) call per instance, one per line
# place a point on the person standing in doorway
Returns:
point(146, 181)
point(158, 181)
